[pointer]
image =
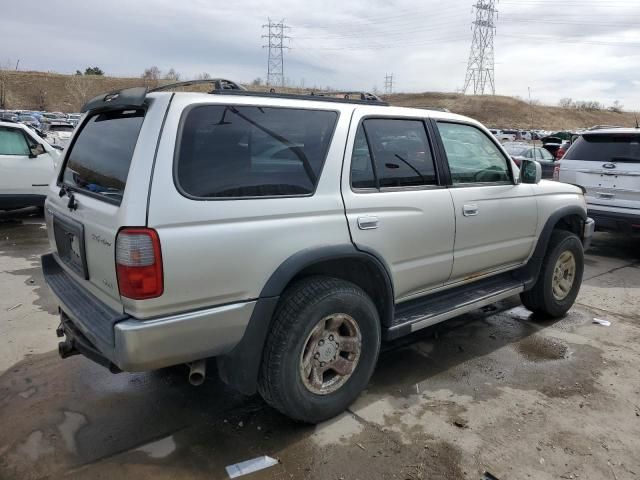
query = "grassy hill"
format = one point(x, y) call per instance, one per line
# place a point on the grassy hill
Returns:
point(66, 93)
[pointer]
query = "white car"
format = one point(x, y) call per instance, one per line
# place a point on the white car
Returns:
point(59, 133)
point(28, 164)
point(606, 163)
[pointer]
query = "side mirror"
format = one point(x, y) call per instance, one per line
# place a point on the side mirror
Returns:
point(530, 171)
point(36, 150)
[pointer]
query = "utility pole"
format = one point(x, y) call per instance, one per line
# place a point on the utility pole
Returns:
point(480, 68)
point(275, 43)
point(530, 110)
point(388, 84)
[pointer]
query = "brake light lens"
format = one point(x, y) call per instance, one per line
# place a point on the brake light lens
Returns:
point(560, 153)
point(139, 263)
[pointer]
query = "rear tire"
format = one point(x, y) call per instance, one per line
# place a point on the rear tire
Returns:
point(560, 276)
point(322, 349)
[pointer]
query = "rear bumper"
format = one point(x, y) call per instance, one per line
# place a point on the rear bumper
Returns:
point(616, 221)
point(121, 342)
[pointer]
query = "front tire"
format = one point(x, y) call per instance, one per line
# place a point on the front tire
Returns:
point(558, 284)
point(322, 349)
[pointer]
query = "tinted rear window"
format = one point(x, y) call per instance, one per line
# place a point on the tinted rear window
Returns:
point(101, 155)
point(606, 148)
point(240, 151)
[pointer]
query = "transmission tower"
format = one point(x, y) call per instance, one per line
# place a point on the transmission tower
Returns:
point(388, 84)
point(480, 70)
point(275, 43)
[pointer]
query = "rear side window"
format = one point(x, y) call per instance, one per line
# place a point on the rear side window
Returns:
point(241, 151)
point(13, 142)
point(100, 157)
point(401, 154)
point(605, 148)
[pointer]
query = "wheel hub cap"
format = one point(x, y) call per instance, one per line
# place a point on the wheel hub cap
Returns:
point(564, 274)
point(331, 353)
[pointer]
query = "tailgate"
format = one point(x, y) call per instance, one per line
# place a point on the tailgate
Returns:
point(102, 186)
point(607, 165)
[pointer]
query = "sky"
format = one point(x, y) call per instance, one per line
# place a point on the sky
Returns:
point(585, 50)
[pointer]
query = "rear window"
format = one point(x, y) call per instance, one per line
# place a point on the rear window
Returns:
point(241, 151)
point(606, 148)
point(100, 157)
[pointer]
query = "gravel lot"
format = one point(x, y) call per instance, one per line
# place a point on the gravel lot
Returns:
point(496, 390)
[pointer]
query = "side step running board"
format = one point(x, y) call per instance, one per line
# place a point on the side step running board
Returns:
point(439, 307)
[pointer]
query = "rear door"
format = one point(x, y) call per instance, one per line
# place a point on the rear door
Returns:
point(395, 204)
point(107, 171)
point(496, 217)
point(608, 166)
point(547, 161)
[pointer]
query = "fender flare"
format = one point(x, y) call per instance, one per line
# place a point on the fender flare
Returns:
point(240, 367)
point(529, 273)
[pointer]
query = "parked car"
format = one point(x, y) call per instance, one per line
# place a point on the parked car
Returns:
point(58, 132)
point(175, 239)
point(29, 120)
point(606, 163)
point(74, 118)
point(520, 151)
point(28, 164)
point(507, 135)
point(8, 116)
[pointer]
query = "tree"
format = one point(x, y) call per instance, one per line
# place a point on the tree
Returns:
point(40, 99)
point(566, 102)
point(93, 71)
point(78, 72)
point(616, 107)
point(4, 84)
point(204, 76)
point(151, 73)
point(172, 75)
point(79, 87)
point(256, 82)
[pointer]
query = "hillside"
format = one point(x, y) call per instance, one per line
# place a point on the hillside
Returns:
point(66, 93)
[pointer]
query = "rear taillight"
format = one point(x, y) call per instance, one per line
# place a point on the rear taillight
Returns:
point(560, 153)
point(556, 172)
point(139, 263)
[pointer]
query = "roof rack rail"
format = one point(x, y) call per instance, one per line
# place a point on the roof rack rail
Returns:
point(218, 84)
point(300, 96)
point(350, 95)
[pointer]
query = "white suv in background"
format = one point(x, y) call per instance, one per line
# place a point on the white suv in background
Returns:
point(606, 163)
point(28, 163)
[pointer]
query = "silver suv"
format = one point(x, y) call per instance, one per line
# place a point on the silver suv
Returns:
point(288, 236)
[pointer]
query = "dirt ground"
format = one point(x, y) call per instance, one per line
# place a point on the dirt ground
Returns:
point(497, 390)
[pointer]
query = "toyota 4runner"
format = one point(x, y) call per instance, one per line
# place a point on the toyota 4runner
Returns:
point(288, 236)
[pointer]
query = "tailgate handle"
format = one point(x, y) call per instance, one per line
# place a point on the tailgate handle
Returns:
point(606, 196)
point(368, 222)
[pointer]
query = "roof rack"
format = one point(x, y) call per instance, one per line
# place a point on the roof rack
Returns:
point(349, 95)
point(299, 96)
point(218, 84)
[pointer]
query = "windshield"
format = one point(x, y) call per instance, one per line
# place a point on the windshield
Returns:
point(101, 155)
point(606, 148)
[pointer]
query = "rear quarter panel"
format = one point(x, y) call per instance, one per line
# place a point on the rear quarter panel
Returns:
point(222, 251)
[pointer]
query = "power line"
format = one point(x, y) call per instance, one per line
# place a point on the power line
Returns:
point(275, 43)
point(480, 68)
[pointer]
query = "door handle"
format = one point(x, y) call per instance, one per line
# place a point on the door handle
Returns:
point(470, 210)
point(367, 223)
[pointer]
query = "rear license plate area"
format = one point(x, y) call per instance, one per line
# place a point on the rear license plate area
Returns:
point(69, 236)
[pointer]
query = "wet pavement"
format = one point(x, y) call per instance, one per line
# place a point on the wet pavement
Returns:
point(496, 390)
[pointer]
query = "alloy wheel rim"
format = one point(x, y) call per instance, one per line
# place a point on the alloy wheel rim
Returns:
point(331, 353)
point(564, 274)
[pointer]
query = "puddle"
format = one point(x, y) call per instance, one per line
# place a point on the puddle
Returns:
point(35, 446)
point(537, 348)
point(69, 427)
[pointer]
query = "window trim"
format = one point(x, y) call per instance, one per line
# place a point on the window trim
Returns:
point(432, 147)
point(178, 142)
point(26, 139)
point(511, 181)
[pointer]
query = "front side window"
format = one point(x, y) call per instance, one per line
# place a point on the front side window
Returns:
point(472, 156)
point(401, 154)
point(242, 151)
point(13, 142)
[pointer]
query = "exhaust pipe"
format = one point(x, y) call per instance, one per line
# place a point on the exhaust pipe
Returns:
point(197, 372)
